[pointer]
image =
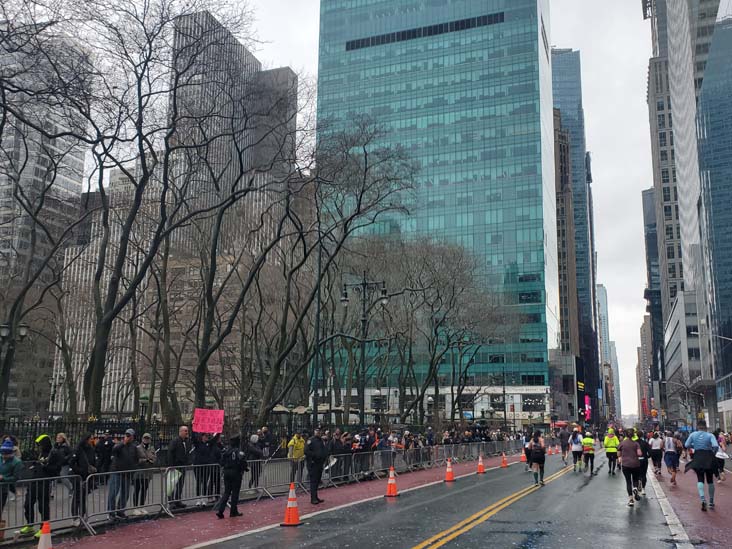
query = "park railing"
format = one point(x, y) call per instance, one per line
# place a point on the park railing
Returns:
point(121, 495)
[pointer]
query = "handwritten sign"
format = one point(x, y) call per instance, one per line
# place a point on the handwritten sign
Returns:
point(208, 421)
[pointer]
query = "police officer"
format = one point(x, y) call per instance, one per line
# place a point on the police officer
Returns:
point(234, 464)
point(315, 456)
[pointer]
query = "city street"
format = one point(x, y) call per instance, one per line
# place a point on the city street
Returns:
point(500, 509)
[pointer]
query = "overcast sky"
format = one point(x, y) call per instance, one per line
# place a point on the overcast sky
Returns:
point(615, 45)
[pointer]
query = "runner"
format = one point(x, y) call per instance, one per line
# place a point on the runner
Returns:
point(564, 441)
point(657, 445)
point(588, 447)
point(672, 448)
point(721, 454)
point(575, 443)
point(644, 458)
point(527, 450)
point(629, 452)
point(703, 461)
point(611, 444)
point(538, 457)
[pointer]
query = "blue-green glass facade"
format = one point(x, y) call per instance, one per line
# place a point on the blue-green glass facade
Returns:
point(465, 87)
point(715, 168)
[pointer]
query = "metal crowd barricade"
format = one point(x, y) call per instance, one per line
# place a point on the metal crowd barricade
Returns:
point(275, 475)
point(200, 484)
point(34, 505)
point(339, 469)
point(113, 495)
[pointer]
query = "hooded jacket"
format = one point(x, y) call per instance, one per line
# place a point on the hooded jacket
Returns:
point(611, 444)
point(49, 461)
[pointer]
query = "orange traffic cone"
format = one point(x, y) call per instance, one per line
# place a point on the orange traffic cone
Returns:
point(504, 461)
point(481, 467)
point(44, 542)
point(391, 489)
point(557, 451)
point(449, 476)
point(523, 457)
point(292, 515)
point(550, 452)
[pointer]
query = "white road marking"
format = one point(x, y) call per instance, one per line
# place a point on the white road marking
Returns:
point(324, 511)
point(678, 532)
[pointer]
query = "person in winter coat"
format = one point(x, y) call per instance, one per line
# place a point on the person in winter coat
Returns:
point(178, 456)
point(146, 459)
point(234, 463)
point(10, 469)
point(124, 461)
point(63, 447)
point(103, 451)
point(44, 468)
point(206, 454)
point(315, 455)
point(81, 463)
point(255, 454)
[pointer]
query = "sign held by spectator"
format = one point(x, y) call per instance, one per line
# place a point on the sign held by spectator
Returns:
point(208, 421)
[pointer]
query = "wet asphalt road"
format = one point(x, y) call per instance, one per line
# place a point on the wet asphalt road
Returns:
point(573, 510)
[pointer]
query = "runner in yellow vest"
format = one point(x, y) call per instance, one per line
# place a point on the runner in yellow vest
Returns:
point(588, 448)
point(611, 444)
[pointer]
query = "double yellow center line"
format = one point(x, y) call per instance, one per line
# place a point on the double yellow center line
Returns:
point(438, 540)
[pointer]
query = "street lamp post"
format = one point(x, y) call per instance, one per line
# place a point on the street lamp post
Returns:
point(505, 407)
point(8, 340)
point(363, 288)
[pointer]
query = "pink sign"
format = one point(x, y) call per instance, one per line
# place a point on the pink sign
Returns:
point(208, 421)
point(588, 408)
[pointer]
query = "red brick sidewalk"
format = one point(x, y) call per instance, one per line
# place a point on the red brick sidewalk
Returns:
point(712, 528)
point(195, 527)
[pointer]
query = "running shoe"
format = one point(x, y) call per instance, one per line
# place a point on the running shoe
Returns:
point(704, 506)
point(636, 495)
point(711, 505)
point(631, 503)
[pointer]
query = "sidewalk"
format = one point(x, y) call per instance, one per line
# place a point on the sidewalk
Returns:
point(710, 529)
point(193, 527)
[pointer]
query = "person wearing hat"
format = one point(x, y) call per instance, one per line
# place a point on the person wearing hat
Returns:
point(315, 456)
point(47, 466)
point(234, 463)
point(10, 470)
point(611, 444)
point(146, 458)
point(124, 461)
point(103, 451)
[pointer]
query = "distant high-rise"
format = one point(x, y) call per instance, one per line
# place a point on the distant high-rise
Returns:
point(465, 88)
point(567, 86)
point(616, 376)
point(565, 361)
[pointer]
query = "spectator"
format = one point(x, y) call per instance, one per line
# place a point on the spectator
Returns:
point(124, 461)
point(296, 455)
point(10, 470)
point(63, 448)
point(81, 463)
point(146, 458)
point(43, 469)
point(254, 455)
point(265, 442)
point(178, 455)
point(103, 451)
point(206, 454)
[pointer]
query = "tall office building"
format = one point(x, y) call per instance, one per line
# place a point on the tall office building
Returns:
point(690, 26)
point(465, 88)
point(615, 364)
point(647, 410)
point(567, 86)
point(715, 165)
point(603, 316)
point(238, 124)
point(564, 361)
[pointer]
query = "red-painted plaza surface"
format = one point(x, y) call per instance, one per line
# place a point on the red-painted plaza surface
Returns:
point(712, 528)
point(190, 528)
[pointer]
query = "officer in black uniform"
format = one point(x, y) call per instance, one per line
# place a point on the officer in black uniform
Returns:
point(315, 455)
point(234, 464)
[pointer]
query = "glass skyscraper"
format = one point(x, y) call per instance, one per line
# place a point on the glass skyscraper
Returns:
point(567, 84)
point(715, 169)
point(465, 87)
